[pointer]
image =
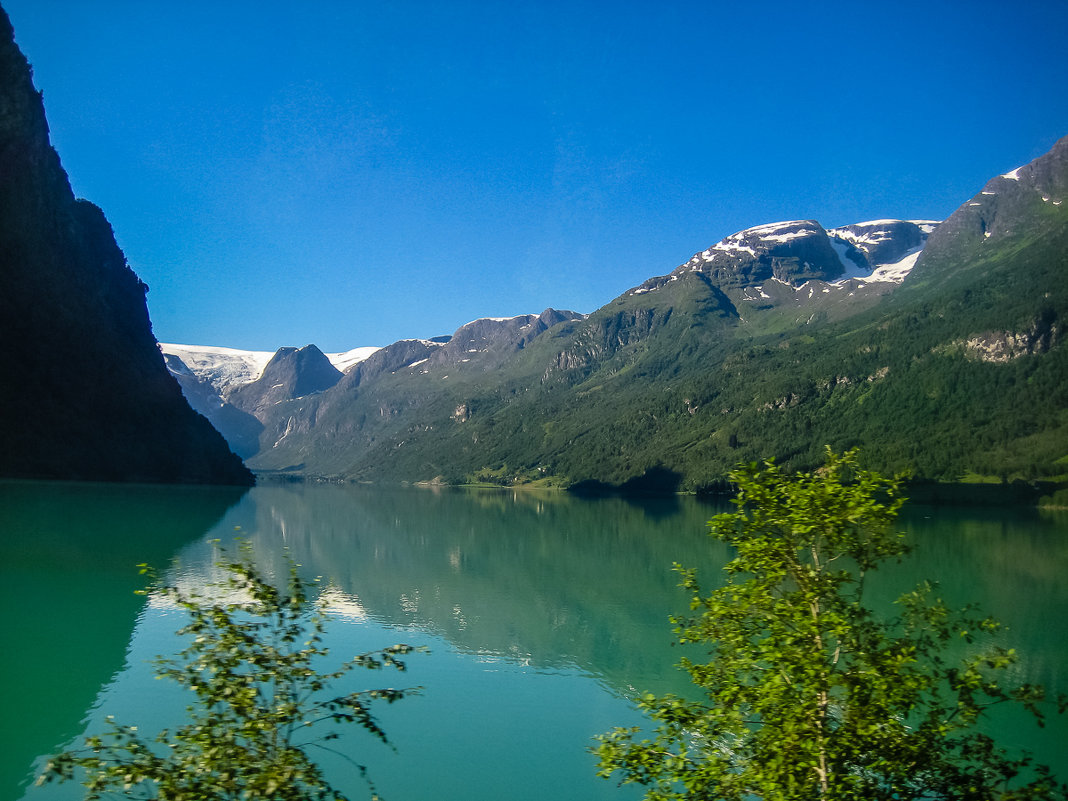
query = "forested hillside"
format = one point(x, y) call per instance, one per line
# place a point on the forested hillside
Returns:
point(774, 342)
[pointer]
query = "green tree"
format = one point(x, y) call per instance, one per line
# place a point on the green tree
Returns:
point(260, 702)
point(807, 692)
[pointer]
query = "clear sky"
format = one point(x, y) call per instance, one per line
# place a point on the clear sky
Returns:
point(351, 173)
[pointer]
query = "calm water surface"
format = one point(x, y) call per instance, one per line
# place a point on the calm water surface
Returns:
point(544, 614)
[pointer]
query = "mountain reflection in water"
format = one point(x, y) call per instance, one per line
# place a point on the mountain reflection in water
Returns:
point(544, 614)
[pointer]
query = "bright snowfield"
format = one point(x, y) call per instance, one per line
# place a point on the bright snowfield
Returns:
point(224, 368)
point(220, 367)
point(343, 361)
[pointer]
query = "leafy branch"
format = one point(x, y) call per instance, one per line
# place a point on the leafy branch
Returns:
point(258, 700)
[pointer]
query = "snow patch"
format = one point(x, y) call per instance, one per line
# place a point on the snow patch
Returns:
point(775, 233)
point(875, 223)
point(344, 360)
point(896, 272)
point(1014, 175)
point(883, 273)
point(852, 269)
point(732, 244)
point(787, 236)
point(927, 226)
point(872, 232)
point(428, 342)
point(498, 319)
point(768, 228)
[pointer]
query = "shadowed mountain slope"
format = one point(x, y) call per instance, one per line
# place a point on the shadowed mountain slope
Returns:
point(85, 393)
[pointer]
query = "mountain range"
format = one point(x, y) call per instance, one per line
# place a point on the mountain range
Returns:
point(936, 347)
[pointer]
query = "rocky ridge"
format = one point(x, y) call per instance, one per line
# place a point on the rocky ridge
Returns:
point(795, 252)
point(775, 340)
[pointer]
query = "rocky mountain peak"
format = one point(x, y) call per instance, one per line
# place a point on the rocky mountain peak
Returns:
point(792, 252)
point(497, 335)
point(291, 373)
point(798, 251)
point(1046, 175)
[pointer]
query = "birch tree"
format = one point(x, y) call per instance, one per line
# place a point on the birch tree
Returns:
point(806, 692)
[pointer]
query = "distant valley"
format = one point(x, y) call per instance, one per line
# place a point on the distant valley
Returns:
point(936, 347)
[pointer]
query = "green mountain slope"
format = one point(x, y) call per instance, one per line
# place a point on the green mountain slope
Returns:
point(754, 348)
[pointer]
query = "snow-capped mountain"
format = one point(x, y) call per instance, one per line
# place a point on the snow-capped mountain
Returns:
point(233, 387)
point(344, 360)
point(249, 395)
point(228, 368)
point(775, 340)
point(797, 251)
point(237, 390)
point(222, 368)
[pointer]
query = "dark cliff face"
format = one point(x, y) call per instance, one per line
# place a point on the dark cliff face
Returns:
point(84, 391)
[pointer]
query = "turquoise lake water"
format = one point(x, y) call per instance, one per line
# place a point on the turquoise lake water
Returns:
point(544, 615)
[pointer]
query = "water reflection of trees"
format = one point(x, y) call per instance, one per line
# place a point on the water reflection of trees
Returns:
point(555, 581)
point(562, 580)
point(545, 577)
point(1012, 562)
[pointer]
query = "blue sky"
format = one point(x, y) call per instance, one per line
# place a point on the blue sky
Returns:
point(353, 173)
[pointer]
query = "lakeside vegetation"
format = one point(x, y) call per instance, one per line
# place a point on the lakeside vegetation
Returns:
point(806, 692)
